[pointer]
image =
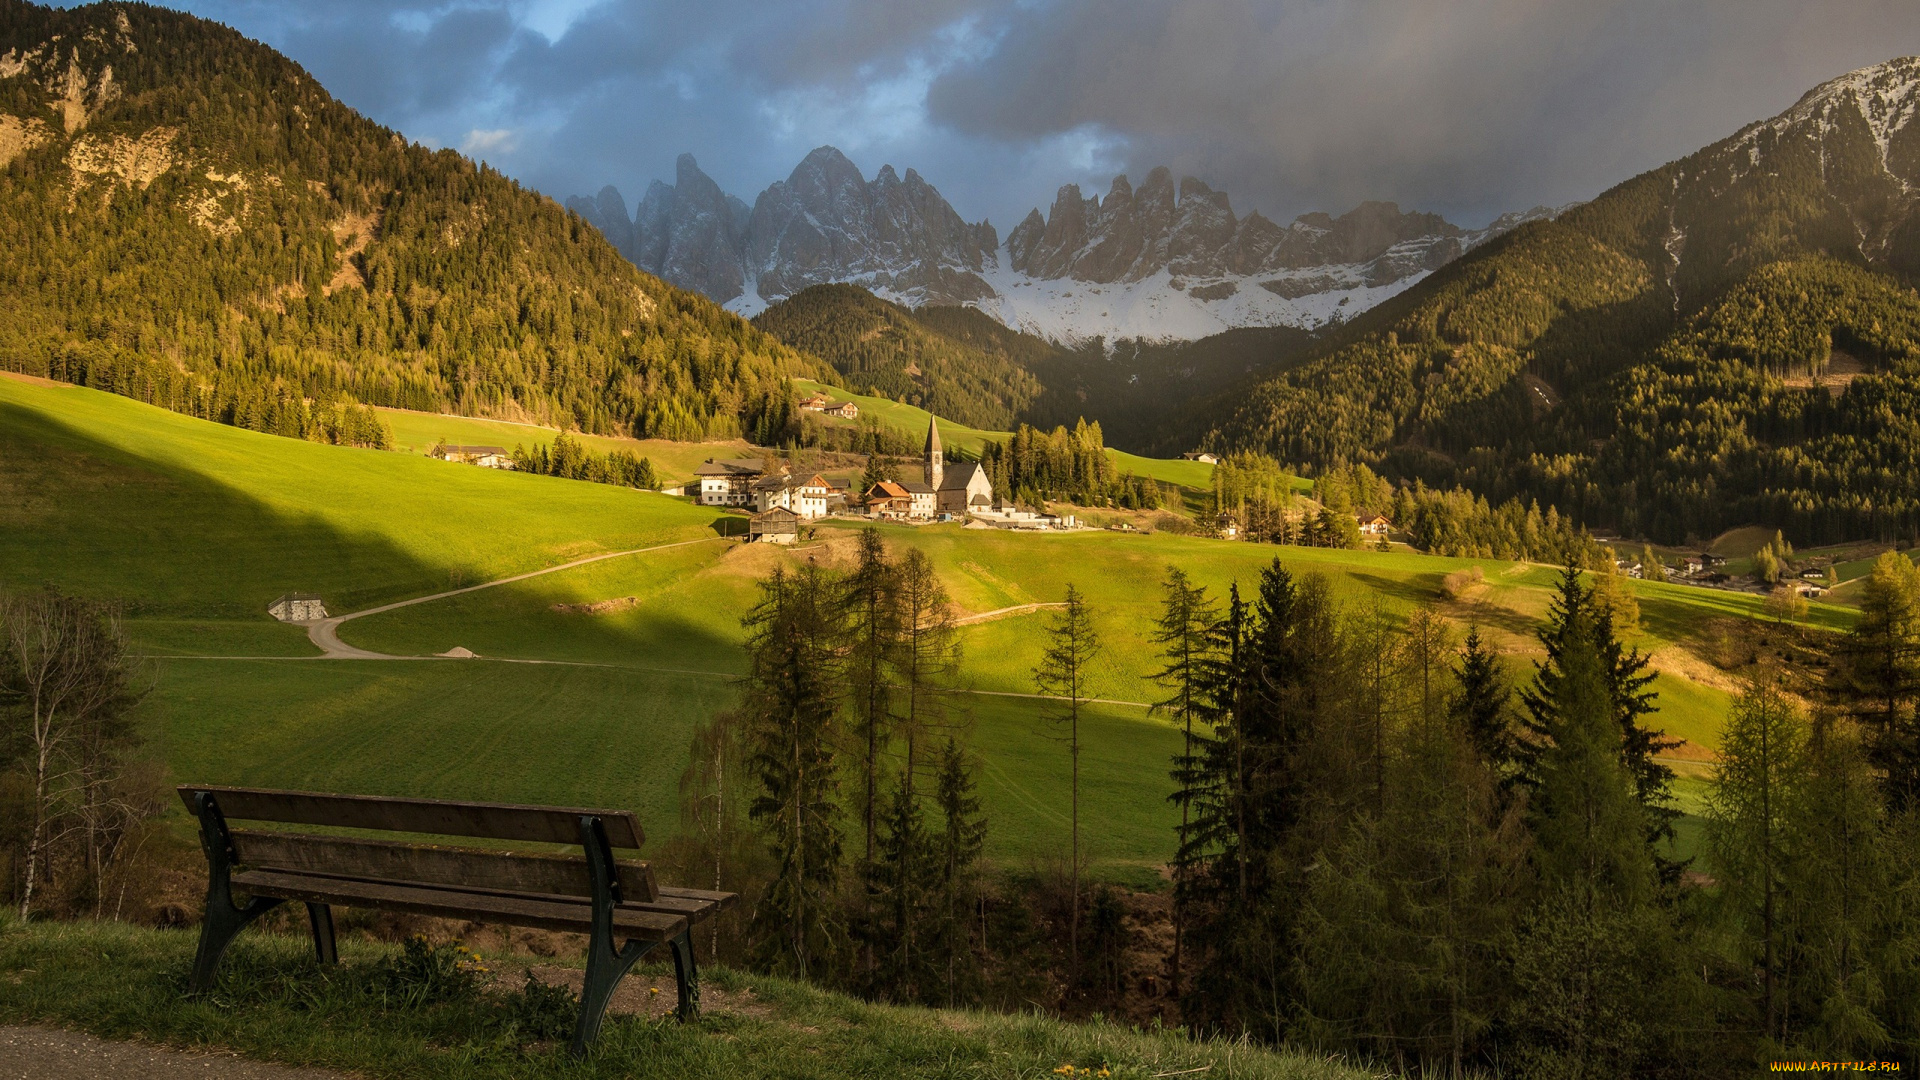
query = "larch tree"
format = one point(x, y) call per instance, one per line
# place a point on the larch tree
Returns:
point(1062, 674)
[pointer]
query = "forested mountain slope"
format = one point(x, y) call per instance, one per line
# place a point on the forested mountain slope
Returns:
point(964, 364)
point(1729, 338)
point(881, 346)
point(187, 217)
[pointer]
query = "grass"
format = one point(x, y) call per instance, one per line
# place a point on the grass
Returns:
point(179, 516)
point(198, 526)
point(417, 432)
point(366, 1016)
point(912, 420)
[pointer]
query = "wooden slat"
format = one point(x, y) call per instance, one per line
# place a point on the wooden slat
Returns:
point(440, 817)
point(545, 914)
point(352, 857)
point(721, 901)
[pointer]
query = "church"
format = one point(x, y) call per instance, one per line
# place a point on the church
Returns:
point(959, 489)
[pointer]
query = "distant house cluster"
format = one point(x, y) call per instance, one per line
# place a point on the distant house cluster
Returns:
point(782, 502)
point(487, 457)
point(821, 403)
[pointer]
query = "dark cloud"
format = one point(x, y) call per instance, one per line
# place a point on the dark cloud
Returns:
point(1469, 108)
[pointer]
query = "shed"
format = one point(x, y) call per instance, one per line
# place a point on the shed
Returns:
point(298, 607)
point(776, 526)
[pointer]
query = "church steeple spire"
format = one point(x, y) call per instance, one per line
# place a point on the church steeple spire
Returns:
point(936, 460)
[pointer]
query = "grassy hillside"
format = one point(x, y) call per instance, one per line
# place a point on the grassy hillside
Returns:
point(123, 982)
point(250, 245)
point(199, 525)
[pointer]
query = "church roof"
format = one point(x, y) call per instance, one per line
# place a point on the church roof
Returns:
point(933, 435)
point(958, 475)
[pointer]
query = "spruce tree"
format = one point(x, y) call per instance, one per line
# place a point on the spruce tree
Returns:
point(1481, 706)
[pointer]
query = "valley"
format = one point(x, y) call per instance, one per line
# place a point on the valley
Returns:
point(126, 487)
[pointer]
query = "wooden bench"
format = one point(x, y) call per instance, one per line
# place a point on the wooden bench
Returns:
point(592, 892)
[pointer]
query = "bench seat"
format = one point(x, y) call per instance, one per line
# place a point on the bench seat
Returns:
point(566, 913)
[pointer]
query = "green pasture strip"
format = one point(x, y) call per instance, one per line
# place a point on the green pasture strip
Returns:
point(274, 1003)
point(182, 517)
point(674, 462)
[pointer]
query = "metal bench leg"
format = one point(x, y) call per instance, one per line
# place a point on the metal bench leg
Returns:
point(605, 967)
point(224, 919)
point(686, 977)
point(320, 917)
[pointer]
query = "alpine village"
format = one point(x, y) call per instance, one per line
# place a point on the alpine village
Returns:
point(455, 626)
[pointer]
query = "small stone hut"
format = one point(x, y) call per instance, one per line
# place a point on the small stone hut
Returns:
point(298, 607)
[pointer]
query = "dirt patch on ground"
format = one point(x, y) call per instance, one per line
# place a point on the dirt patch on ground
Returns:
point(598, 607)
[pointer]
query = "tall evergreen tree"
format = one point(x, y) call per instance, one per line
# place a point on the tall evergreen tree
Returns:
point(1072, 643)
point(1881, 678)
point(963, 837)
point(870, 614)
point(1576, 621)
point(1186, 636)
point(790, 707)
point(1481, 707)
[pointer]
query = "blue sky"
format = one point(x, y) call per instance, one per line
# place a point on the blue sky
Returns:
point(1465, 107)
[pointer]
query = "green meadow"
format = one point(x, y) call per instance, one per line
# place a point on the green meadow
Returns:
point(418, 432)
point(591, 679)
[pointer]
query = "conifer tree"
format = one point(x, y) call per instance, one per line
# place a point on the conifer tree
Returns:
point(790, 707)
point(963, 837)
point(1185, 634)
point(870, 615)
point(1749, 818)
point(1881, 679)
point(869, 611)
point(1072, 643)
point(1481, 707)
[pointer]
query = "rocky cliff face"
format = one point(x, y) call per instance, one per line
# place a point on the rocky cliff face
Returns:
point(1163, 261)
point(824, 223)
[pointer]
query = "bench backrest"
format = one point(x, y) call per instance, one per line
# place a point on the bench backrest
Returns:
point(386, 860)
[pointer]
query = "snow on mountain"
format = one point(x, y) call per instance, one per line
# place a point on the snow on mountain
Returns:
point(1164, 262)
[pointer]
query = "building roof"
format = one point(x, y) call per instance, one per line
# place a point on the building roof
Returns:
point(888, 490)
point(933, 435)
point(752, 466)
point(979, 500)
point(776, 514)
point(916, 487)
point(958, 475)
point(474, 450)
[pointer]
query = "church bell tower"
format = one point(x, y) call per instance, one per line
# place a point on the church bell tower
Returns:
point(936, 461)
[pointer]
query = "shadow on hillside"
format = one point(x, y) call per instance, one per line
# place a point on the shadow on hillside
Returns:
point(96, 519)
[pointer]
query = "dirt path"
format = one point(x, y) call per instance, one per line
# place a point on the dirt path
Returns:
point(996, 613)
point(40, 1053)
point(325, 634)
